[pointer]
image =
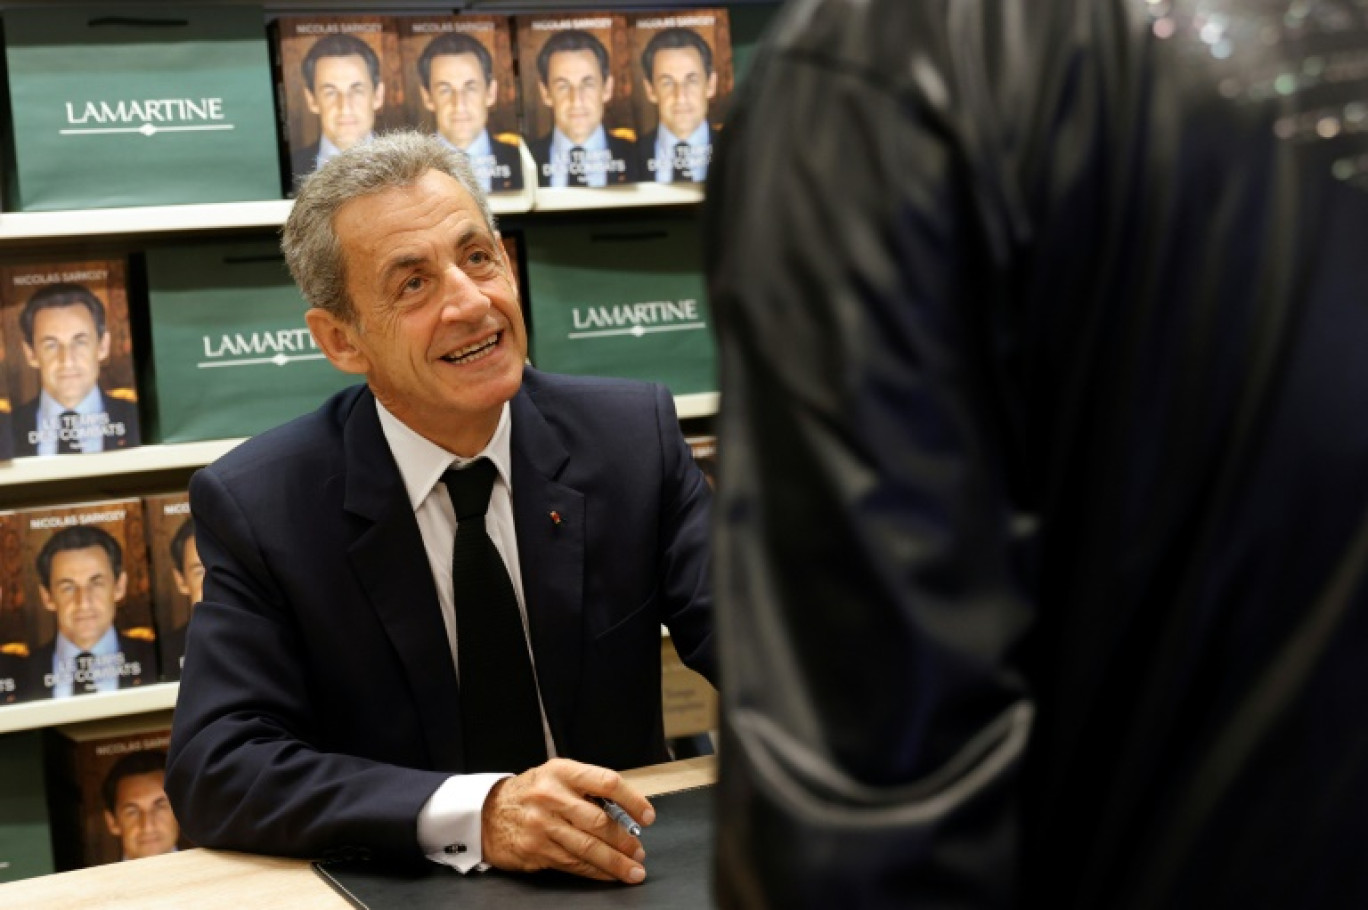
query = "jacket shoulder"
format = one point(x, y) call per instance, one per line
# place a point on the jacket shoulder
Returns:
point(308, 443)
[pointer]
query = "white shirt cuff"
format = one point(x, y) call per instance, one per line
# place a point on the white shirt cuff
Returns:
point(449, 822)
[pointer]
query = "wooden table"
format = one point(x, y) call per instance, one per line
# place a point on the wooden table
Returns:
point(214, 879)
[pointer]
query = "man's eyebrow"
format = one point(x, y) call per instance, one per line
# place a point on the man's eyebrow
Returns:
point(402, 264)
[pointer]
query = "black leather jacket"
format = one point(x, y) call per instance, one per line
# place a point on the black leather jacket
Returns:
point(1042, 537)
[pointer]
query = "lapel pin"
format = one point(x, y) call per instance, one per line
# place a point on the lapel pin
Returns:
point(555, 518)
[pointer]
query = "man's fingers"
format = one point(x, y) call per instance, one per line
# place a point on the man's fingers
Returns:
point(587, 816)
point(606, 783)
point(598, 854)
point(560, 859)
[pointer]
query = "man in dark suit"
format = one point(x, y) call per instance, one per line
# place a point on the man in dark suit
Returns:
point(456, 82)
point(677, 69)
point(576, 81)
point(341, 669)
point(65, 339)
point(344, 88)
point(81, 580)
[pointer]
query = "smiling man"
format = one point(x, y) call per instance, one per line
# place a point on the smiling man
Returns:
point(66, 339)
point(432, 608)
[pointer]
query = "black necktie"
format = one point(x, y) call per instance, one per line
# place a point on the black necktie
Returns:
point(500, 717)
point(682, 172)
point(84, 680)
point(67, 423)
point(577, 175)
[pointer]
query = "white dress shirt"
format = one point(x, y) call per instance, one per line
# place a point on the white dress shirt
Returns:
point(449, 823)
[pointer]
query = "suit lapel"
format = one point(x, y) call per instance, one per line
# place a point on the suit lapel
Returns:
point(549, 517)
point(389, 559)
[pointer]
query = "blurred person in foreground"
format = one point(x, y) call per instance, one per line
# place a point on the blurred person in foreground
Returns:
point(1043, 519)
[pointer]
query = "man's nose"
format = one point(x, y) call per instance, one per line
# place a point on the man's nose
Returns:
point(462, 298)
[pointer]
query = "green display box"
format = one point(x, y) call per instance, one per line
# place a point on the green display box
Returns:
point(139, 106)
point(231, 353)
point(626, 301)
point(25, 843)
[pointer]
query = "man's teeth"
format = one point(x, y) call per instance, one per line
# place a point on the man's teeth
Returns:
point(474, 351)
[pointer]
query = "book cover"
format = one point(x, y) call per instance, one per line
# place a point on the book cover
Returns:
point(231, 354)
point(6, 407)
point(106, 801)
point(682, 66)
point(14, 645)
point(577, 98)
point(177, 574)
point(69, 351)
point(86, 590)
point(338, 83)
point(459, 84)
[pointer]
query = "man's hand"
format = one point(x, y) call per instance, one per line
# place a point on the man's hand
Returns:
point(542, 819)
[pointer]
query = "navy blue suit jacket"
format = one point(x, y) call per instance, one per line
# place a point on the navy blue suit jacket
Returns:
point(318, 707)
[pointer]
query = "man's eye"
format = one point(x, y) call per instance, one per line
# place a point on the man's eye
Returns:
point(413, 284)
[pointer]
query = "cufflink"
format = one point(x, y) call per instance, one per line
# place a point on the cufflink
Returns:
point(453, 849)
point(555, 518)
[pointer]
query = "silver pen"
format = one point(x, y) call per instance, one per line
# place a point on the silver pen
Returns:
point(619, 815)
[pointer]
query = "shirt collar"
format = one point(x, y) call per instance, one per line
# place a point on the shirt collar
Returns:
point(561, 144)
point(49, 408)
point(421, 461)
point(666, 140)
point(480, 145)
point(327, 151)
point(66, 650)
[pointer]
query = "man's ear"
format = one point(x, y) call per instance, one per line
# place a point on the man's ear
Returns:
point(104, 347)
point(337, 339)
point(545, 94)
point(379, 101)
point(491, 92)
point(120, 587)
point(712, 85)
point(112, 824)
point(46, 597)
point(608, 89)
point(30, 355)
point(311, 101)
point(651, 95)
point(426, 95)
point(181, 584)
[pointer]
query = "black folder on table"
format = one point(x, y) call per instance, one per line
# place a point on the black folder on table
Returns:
point(678, 874)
